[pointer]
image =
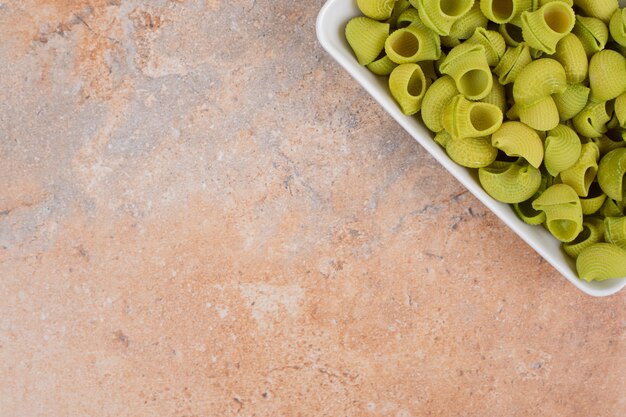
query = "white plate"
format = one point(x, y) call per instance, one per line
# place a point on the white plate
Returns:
point(331, 22)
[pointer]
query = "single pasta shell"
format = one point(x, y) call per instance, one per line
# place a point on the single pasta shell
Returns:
point(472, 152)
point(564, 216)
point(435, 101)
point(517, 139)
point(592, 33)
point(545, 27)
point(538, 80)
point(592, 120)
point(593, 231)
point(543, 115)
point(504, 11)
point(571, 54)
point(512, 63)
point(407, 84)
point(607, 75)
point(562, 149)
point(468, 119)
point(376, 9)
point(571, 101)
point(611, 173)
point(580, 176)
point(601, 261)
point(408, 17)
point(366, 37)
point(493, 42)
point(617, 26)
point(510, 182)
point(382, 66)
point(413, 44)
point(467, 65)
point(440, 15)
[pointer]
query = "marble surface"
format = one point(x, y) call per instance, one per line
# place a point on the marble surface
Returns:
point(201, 214)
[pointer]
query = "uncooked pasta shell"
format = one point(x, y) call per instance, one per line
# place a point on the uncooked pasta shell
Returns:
point(601, 261)
point(366, 37)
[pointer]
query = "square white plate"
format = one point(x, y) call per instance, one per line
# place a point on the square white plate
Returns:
point(331, 22)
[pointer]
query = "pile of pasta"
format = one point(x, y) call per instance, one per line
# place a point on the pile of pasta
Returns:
point(531, 93)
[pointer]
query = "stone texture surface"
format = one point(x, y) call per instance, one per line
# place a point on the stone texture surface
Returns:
point(201, 214)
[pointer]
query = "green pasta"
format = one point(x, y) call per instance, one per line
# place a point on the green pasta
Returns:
point(511, 33)
point(570, 53)
point(528, 214)
point(542, 115)
point(497, 96)
point(408, 17)
point(592, 120)
point(382, 66)
point(518, 140)
point(562, 149)
point(512, 63)
point(605, 144)
point(450, 42)
point(435, 101)
point(504, 11)
point(592, 32)
point(442, 138)
point(571, 101)
point(465, 26)
point(564, 216)
point(581, 175)
point(617, 26)
point(493, 43)
point(468, 119)
point(607, 75)
point(546, 136)
point(366, 38)
point(412, 44)
point(611, 208)
point(400, 7)
point(593, 203)
point(467, 65)
point(601, 9)
point(615, 230)
point(510, 182)
point(408, 86)
point(545, 27)
point(611, 174)
point(538, 80)
point(620, 110)
point(593, 232)
point(428, 67)
point(601, 261)
point(471, 152)
point(440, 15)
point(376, 9)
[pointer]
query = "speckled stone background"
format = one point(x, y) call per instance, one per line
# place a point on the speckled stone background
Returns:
point(201, 214)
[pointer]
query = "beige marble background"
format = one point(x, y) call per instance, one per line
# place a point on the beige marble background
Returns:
point(201, 214)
